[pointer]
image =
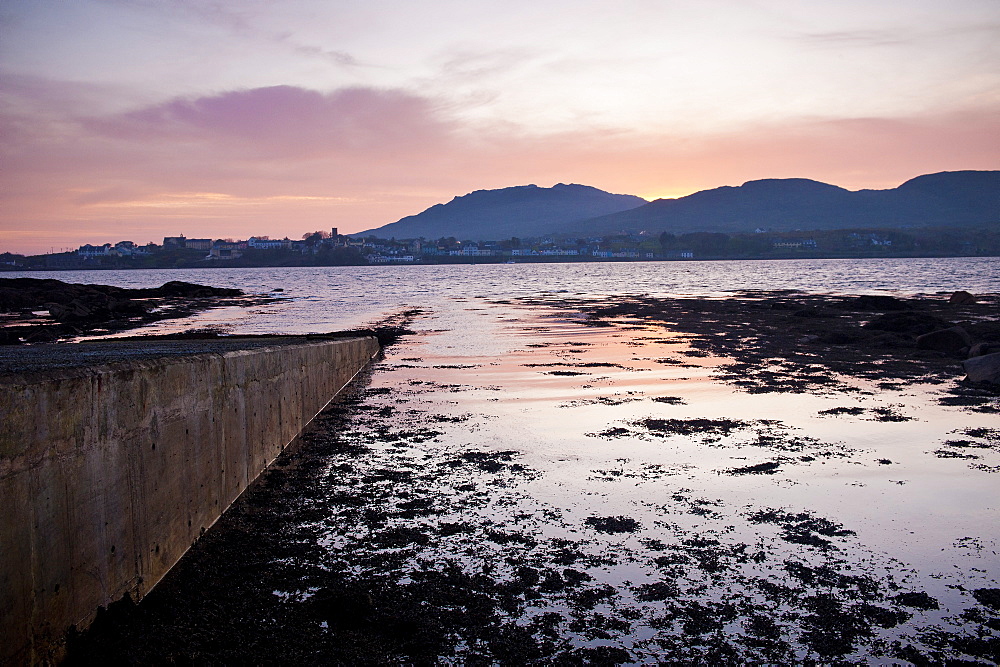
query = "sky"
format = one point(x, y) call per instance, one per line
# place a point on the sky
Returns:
point(139, 119)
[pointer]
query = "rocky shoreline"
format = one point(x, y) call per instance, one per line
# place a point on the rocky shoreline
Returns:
point(794, 341)
point(36, 310)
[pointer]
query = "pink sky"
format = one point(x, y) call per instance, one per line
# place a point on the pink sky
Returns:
point(133, 121)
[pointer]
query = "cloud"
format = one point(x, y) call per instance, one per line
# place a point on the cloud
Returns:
point(287, 121)
point(861, 38)
point(337, 57)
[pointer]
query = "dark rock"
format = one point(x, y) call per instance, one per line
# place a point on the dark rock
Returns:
point(838, 338)
point(72, 311)
point(950, 341)
point(983, 369)
point(909, 322)
point(347, 608)
point(980, 349)
point(891, 341)
point(810, 312)
point(40, 335)
point(962, 298)
point(76, 308)
point(876, 302)
point(9, 337)
point(190, 290)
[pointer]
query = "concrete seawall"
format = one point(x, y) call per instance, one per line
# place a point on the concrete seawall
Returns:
point(110, 472)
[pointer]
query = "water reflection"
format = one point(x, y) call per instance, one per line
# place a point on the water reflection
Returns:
point(331, 298)
point(645, 507)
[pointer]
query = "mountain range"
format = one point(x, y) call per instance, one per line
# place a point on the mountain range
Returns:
point(958, 199)
point(523, 210)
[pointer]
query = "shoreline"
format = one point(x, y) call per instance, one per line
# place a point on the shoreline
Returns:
point(457, 261)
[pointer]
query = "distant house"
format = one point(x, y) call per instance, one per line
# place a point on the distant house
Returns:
point(198, 244)
point(124, 248)
point(261, 243)
point(95, 250)
point(388, 259)
point(807, 244)
point(473, 251)
point(559, 252)
point(130, 249)
point(225, 250)
point(174, 241)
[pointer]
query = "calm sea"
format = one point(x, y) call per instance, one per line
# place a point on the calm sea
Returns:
point(326, 298)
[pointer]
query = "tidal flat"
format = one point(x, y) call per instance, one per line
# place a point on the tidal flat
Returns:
point(763, 477)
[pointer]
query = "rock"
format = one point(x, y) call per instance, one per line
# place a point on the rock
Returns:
point(891, 340)
point(191, 290)
point(983, 369)
point(9, 337)
point(961, 298)
point(838, 338)
point(910, 322)
point(74, 310)
point(811, 312)
point(877, 302)
point(40, 335)
point(950, 341)
point(57, 311)
point(979, 349)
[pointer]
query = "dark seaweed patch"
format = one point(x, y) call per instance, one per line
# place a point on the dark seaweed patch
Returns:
point(916, 600)
point(802, 528)
point(767, 468)
point(670, 400)
point(842, 411)
point(988, 597)
point(613, 524)
point(692, 426)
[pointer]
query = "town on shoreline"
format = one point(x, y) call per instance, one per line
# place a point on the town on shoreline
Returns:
point(322, 248)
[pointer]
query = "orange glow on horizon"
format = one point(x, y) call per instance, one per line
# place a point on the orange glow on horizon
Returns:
point(665, 194)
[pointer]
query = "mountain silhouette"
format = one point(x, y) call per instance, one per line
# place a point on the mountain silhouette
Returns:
point(947, 199)
point(524, 210)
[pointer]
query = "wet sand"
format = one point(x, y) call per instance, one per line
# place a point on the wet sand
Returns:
point(704, 481)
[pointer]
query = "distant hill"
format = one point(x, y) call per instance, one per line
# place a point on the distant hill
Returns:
point(524, 210)
point(946, 199)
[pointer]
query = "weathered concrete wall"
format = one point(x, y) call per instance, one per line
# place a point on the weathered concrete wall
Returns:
point(109, 474)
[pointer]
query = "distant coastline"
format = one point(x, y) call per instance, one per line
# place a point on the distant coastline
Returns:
point(369, 251)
